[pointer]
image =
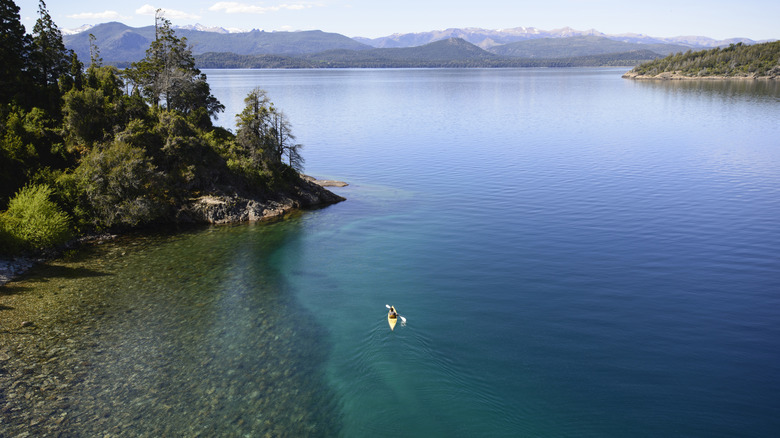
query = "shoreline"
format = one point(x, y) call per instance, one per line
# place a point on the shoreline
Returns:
point(206, 209)
point(674, 76)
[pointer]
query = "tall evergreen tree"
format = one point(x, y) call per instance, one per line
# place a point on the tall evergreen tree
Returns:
point(254, 124)
point(95, 60)
point(14, 44)
point(265, 134)
point(49, 56)
point(167, 76)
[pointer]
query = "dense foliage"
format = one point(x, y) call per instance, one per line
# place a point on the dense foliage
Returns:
point(96, 148)
point(737, 60)
point(33, 220)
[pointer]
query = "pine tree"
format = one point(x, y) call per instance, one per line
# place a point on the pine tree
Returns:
point(49, 56)
point(14, 45)
point(167, 75)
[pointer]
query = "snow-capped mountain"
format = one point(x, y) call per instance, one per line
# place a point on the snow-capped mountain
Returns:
point(197, 27)
point(487, 38)
point(77, 30)
point(215, 29)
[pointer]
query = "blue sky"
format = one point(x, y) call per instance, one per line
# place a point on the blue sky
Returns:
point(719, 19)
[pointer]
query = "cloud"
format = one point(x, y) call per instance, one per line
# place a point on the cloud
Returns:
point(105, 15)
point(168, 13)
point(246, 8)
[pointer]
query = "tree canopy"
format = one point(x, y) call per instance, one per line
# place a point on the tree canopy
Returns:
point(101, 148)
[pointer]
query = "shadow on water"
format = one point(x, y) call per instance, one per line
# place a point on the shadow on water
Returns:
point(7, 290)
point(49, 272)
point(184, 335)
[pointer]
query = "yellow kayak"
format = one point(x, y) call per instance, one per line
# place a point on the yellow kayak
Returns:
point(392, 318)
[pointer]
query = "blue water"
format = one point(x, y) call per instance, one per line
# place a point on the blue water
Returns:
point(576, 254)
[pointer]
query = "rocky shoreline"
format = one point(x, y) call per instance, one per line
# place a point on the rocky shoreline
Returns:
point(208, 209)
point(220, 209)
point(676, 76)
point(55, 354)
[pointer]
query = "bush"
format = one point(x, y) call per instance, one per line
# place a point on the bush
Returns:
point(119, 186)
point(33, 220)
point(9, 244)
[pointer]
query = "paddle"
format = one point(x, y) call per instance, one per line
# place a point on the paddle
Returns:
point(403, 320)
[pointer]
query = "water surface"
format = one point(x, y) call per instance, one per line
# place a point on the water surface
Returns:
point(576, 254)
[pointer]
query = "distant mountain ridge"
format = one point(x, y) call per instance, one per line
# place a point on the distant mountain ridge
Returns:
point(487, 38)
point(121, 45)
point(449, 53)
point(578, 46)
point(196, 26)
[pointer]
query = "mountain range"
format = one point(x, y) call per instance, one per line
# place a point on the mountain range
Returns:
point(120, 44)
point(486, 38)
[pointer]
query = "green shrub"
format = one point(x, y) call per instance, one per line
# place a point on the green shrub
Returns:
point(119, 187)
point(33, 220)
point(9, 244)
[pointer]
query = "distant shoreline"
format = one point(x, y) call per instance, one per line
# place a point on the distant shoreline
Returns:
point(675, 76)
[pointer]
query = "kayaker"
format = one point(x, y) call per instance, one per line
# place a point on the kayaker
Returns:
point(392, 313)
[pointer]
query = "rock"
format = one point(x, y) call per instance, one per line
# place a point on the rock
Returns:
point(324, 182)
point(221, 209)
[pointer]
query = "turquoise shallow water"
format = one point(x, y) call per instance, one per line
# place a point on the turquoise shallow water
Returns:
point(576, 254)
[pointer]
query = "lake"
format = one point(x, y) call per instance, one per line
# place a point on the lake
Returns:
point(576, 254)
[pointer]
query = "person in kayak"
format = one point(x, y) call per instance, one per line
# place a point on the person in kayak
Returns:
point(392, 313)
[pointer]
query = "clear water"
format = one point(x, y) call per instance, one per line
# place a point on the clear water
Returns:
point(576, 255)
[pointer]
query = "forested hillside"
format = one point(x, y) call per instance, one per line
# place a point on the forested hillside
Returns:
point(737, 60)
point(122, 44)
point(91, 149)
point(575, 46)
point(452, 53)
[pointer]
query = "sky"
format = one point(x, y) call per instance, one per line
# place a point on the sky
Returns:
point(718, 19)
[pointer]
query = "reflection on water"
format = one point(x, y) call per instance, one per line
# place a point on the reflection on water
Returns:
point(762, 89)
point(180, 335)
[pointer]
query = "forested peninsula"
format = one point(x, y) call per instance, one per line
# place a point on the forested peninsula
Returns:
point(87, 148)
point(738, 61)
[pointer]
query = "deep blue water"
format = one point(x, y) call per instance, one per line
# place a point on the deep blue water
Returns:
point(576, 254)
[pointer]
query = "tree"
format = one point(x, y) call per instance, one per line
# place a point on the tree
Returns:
point(253, 124)
point(75, 78)
point(167, 75)
point(265, 135)
point(14, 44)
point(49, 56)
point(284, 142)
point(95, 60)
point(86, 117)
